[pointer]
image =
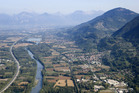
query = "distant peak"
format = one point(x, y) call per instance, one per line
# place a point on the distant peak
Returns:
point(121, 9)
point(78, 12)
point(45, 13)
point(22, 13)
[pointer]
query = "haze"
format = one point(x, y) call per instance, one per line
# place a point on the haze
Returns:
point(64, 6)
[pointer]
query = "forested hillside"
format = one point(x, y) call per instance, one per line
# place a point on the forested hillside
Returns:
point(122, 51)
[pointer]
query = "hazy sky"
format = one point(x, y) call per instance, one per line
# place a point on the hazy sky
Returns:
point(64, 6)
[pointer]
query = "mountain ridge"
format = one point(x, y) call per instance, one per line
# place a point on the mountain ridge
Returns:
point(92, 31)
point(122, 51)
point(31, 18)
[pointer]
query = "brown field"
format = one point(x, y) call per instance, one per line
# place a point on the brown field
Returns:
point(3, 79)
point(23, 83)
point(58, 46)
point(23, 44)
point(79, 76)
point(13, 39)
point(84, 76)
point(87, 77)
point(77, 72)
point(50, 57)
point(54, 53)
point(64, 77)
point(48, 42)
point(49, 69)
point(96, 69)
point(52, 77)
point(62, 73)
point(61, 64)
point(51, 80)
point(57, 78)
point(106, 91)
point(62, 69)
point(47, 59)
point(70, 83)
point(64, 64)
point(47, 63)
point(21, 78)
point(61, 83)
point(3, 45)
point(56, 65)
point(105, 67)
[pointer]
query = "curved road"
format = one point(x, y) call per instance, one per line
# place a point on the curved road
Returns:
point(17, 71)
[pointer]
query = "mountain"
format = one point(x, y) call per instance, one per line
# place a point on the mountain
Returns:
point(130, 31)
point(24, 18)
point(80, 16)
point(91, 32)
point(122, 51)
point(5, 19)
point(46, 19)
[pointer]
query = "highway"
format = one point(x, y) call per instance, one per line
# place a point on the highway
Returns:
point(17, 70)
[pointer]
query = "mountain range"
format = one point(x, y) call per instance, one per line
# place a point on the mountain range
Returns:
point(57, 19)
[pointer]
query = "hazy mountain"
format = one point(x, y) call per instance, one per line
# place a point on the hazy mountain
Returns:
point(80, 16)
point(24, 18)
point(57, 19)
point(5, 19)
point(90, 32)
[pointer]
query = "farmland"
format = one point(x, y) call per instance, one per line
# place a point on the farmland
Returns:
point(25, 79)
point(67, 68)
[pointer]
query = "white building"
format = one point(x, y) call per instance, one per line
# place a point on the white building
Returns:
point(112, 82)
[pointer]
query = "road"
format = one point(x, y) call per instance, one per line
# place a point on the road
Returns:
point(17, 70)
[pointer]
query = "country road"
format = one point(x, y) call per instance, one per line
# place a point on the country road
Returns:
point(17, 70)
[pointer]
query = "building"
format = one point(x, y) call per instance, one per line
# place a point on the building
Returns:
point(112, 82)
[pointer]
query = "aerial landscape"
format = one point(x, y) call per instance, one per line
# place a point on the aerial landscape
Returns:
point(81, 46)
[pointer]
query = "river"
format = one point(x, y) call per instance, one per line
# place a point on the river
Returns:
point(39, 77)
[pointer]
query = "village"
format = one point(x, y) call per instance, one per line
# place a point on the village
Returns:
point(87, 68)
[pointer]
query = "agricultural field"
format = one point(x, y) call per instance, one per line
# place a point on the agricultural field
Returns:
point(7, 65)
point(25, 79)
point(68, 63)
point(66, 66)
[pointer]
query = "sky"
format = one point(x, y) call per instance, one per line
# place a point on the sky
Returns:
point(64, 6)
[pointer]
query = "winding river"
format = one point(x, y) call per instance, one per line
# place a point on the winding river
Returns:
point(39, 77)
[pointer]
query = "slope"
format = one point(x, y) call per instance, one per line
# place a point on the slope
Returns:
point(122, 51)
point(92, 31)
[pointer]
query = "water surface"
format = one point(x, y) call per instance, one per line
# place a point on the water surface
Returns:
point(39, 77)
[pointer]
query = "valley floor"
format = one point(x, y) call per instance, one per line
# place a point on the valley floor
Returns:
point(67, 68)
